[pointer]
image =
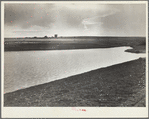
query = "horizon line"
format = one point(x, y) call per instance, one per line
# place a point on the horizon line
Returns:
point(68, 36)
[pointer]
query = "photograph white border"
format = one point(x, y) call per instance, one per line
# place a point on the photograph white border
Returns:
point(68, 112)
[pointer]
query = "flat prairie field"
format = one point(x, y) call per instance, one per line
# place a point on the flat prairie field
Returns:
point(27, 44)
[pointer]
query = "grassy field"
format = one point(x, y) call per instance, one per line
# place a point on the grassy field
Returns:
point(117, 85)
point(21, 44)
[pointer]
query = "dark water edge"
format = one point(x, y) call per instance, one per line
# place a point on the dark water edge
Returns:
point(66, 43)
point(121, 85)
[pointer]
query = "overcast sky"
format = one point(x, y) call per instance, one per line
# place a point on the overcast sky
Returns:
point(74, 19)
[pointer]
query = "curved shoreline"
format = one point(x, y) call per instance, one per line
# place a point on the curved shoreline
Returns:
point(137, 49)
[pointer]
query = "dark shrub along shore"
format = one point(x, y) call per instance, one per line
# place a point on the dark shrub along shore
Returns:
point(118, 85)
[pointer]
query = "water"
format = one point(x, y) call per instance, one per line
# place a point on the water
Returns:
point(28, 68)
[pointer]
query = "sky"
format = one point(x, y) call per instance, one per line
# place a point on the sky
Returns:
point(74, 19)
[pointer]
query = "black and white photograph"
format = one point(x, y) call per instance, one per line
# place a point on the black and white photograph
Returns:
point(79, 55)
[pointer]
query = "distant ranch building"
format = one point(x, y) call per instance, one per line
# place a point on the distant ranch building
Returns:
point(56, 35)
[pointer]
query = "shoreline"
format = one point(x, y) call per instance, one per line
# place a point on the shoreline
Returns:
point(133, 50)
point(110, 86)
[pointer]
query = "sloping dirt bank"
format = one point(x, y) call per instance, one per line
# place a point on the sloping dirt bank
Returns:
point(117, 85)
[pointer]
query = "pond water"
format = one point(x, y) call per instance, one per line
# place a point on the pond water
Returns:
point(28, 68)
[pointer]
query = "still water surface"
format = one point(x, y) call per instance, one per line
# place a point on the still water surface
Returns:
point(28, 68)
